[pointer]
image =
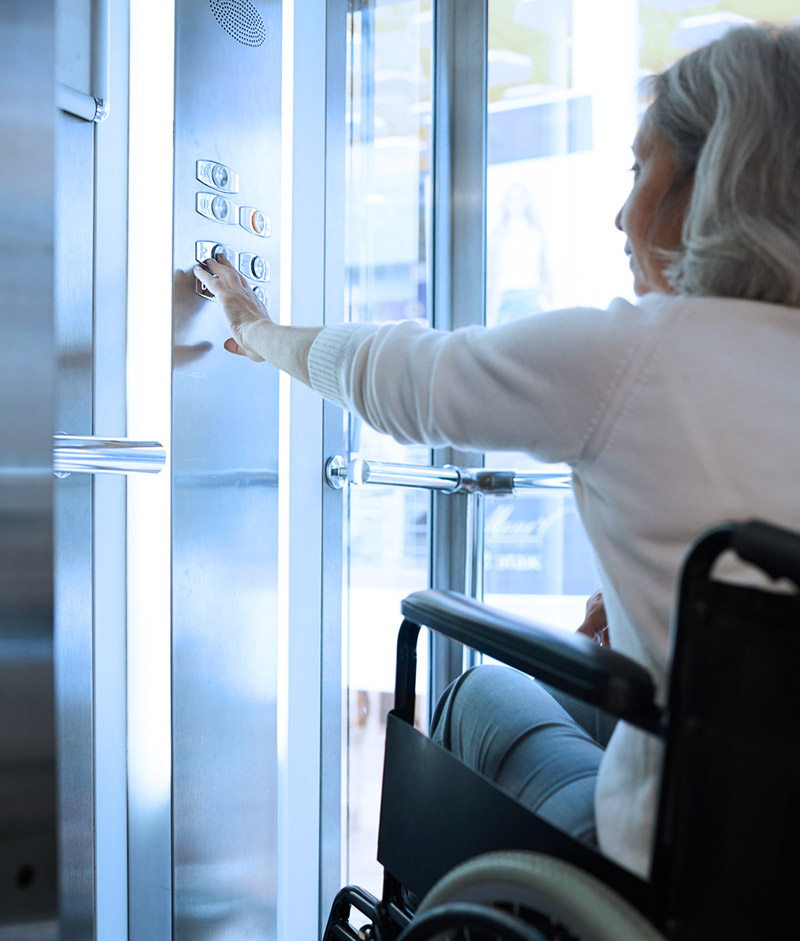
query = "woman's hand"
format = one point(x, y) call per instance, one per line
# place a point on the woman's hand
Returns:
point(595, 625)
point(243, 310)
point(255, 334)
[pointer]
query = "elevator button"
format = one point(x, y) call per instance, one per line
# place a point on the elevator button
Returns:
point(199, 289)
point(254, 266)
point(207, 249)
point(217, 175)
point(254, 221)
point(219, 208)
point(263, 296)
point(221, 177)
point(259, 268)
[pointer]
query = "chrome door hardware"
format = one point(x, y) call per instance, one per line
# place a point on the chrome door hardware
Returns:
point(448, 479)
point(90, 455)
point(95, 106)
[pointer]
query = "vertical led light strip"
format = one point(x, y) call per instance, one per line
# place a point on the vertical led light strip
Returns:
point(285, 887)
point(303, 156)
point(149, 395)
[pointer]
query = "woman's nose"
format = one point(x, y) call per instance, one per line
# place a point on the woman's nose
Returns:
point(618, 219)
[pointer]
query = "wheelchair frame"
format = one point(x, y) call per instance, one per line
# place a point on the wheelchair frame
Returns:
point(728, 810)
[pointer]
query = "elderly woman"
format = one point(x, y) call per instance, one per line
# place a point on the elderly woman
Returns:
point(674, 413)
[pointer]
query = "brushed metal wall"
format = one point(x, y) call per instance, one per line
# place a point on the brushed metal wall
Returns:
point(27, 384)
point(225, 510)
point(73, 519)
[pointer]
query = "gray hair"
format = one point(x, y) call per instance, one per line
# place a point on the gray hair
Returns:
point(731, 111)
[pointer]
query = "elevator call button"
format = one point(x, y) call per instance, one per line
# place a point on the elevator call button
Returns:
point(206, 249)
point(219, 208)
point(254, 221)
point(218, 176)
point(254, 266)
point(263, 296)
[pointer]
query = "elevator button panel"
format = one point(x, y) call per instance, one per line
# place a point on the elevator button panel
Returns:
point(254, 266)
point(219, 208)
point(254, 221)
point(222, 209)
point(218, 176)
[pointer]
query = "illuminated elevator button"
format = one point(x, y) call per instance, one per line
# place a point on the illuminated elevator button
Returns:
point(254, 221)
point(262, 295)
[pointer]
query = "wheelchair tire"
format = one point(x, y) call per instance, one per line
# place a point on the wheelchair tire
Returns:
point(557, 898)
point(464, 921)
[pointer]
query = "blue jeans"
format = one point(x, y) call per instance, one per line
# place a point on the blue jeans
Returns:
point(507, 727)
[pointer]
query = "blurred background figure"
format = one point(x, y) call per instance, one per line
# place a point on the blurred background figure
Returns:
point(517, 280)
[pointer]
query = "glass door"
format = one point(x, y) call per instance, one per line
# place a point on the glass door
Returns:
point(387, 278)
point(543, 169)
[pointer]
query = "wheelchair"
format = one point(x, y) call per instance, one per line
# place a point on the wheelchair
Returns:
point(726, 863)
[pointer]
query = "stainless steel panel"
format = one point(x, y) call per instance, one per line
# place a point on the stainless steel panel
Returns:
point(225, 434)
point(73, 525)
point(27, 383)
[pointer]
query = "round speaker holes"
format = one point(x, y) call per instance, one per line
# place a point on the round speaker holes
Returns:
point(241, 20)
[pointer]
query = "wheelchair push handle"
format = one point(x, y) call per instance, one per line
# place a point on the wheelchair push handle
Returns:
point(773, 549)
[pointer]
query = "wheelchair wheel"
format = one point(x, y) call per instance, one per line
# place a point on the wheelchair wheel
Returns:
point(555, 898)
point(468, 922)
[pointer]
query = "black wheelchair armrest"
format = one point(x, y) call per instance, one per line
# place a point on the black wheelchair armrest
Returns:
point(569, 662)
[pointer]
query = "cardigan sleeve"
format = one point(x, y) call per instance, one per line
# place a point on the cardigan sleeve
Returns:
point(540, 385)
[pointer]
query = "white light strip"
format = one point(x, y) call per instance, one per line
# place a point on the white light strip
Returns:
point(300, 547)
point(285, 878)
point(149, 365)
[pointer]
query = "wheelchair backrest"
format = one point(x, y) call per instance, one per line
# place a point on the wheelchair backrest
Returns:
point(727, 861)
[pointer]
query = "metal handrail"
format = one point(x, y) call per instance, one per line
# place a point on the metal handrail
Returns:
point(448, 479)
point(90, 455)
point(93, 107)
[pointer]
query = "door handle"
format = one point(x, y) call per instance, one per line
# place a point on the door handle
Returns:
point(91, 455)
point(448, 479)
point(93, 107)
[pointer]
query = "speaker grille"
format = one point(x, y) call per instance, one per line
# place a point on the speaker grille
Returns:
point(241, 19)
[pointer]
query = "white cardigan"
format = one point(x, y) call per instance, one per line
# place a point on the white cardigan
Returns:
point(674, 414)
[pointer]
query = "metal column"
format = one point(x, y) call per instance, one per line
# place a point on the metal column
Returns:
point(28, 826)
point(459, 267)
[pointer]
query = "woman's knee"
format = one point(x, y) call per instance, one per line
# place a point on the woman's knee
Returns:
point(475, 690)
point(490, 710)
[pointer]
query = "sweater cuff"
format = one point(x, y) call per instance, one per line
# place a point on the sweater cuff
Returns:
point(332, 350)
